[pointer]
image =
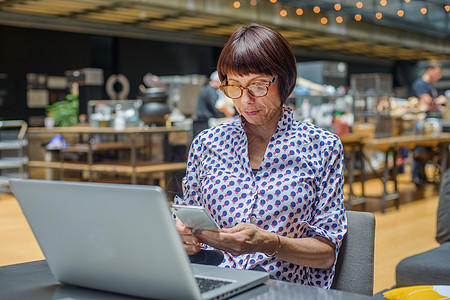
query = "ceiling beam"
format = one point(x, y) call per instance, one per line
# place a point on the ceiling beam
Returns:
point(119, 30)
point(211, 22)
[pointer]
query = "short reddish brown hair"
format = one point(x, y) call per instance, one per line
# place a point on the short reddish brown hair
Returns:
point(257, 49)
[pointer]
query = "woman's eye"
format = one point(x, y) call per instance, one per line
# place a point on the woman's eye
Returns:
point(259, 84)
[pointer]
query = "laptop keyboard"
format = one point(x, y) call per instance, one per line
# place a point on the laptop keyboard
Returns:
point(206, 284)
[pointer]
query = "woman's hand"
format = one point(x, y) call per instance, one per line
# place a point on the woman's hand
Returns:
point(315, 252)
point(241, 239)
point(190, 242)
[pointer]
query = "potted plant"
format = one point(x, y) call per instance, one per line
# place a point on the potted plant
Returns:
point(64, 112)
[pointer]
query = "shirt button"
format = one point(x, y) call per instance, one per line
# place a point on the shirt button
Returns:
point(253, 219)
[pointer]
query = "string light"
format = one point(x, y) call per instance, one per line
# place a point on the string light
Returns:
point(142, 14)
point(338, 7)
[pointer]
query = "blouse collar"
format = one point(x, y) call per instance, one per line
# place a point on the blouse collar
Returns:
point(284, 122)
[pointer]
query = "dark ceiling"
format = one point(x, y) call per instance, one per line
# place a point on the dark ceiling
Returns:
point(414, 36)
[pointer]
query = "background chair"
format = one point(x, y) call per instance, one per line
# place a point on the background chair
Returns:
point(354, 267)
point(431, 267)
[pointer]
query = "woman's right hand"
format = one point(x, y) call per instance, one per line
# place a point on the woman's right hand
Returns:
point(190, 242)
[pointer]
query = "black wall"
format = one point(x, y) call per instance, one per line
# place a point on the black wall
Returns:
point(25, 51)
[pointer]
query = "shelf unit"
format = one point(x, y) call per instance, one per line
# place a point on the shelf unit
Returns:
point(13, 160)
point(369, 90)
point(132, 149)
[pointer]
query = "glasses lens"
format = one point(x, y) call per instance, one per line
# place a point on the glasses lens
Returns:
point(232, 91)
point(258, 90)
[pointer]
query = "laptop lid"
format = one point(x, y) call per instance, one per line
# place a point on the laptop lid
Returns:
point(116, 237)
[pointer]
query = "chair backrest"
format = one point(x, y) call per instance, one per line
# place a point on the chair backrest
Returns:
point(354, 266)
point(443, 213)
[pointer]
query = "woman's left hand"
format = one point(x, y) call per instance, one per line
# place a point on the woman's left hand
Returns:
point(241, 239)
point(315, 252)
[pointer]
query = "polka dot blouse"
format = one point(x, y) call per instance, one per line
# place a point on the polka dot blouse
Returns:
point(297, 191)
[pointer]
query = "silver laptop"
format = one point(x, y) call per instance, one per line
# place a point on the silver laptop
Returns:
point(119, 238)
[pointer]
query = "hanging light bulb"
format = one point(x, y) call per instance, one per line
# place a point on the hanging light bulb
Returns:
point(359, 4)
point(316, 9)
point(283, 13)
point(299, 11)
point(407, 1)
point(253, 2)
point(400, 13)
point(358, 17)
point(423, 10)
point(339, 19)
point(337, 6)
point(447, 8)
point(273, 1)
point(142, 14)
point(378, 15)
point(383, 2)
point(324, 20)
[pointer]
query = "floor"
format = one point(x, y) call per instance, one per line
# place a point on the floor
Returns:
point(399, 233)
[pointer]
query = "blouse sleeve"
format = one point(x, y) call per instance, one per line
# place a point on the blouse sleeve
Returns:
point(328, 219)
point(191, 181)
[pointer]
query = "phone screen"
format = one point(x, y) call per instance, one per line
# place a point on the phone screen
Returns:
point(195, 217)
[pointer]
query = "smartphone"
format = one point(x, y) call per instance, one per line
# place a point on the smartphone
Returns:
point(195, 217)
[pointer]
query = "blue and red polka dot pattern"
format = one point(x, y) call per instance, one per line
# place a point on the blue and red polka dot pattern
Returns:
point(297, 191)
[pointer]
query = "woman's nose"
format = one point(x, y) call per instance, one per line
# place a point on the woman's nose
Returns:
point(247, 98)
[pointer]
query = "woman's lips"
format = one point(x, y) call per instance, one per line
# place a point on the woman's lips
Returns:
point(252, 113)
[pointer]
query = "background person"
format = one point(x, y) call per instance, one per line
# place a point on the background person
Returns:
point(423, 88)
point(206, 104)
point(274, 185)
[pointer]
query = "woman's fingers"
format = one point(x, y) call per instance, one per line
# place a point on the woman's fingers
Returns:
point(190, 242)
point(192, 249)
point(241, 239)
point(233, 243)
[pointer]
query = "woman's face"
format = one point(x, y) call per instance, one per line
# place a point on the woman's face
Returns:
point(257, 110)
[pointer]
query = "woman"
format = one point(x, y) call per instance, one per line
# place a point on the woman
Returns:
point(274, 185)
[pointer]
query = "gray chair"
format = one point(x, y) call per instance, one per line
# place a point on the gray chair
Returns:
point(354, 266)
point(433, 266)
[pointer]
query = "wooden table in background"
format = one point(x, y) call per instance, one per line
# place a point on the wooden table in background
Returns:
point(391, 147)
point(131, 168)
point(353, 145)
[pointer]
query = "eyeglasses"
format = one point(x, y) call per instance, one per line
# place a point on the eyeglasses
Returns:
point(257, 89)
